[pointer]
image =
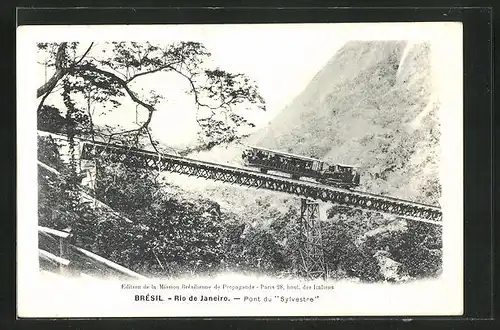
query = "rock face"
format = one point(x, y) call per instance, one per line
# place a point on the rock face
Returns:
point(372, 105)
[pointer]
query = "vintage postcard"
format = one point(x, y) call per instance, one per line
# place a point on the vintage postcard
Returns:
point(240, 170)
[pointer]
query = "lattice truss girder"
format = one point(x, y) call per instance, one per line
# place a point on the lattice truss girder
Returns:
point(243, 177)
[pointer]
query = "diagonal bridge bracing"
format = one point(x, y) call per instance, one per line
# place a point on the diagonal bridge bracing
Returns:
point(244, 177)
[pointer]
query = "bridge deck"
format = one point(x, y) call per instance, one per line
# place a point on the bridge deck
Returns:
point(250, 178)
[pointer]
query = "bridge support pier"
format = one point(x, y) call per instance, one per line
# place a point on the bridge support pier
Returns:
point(312, 263)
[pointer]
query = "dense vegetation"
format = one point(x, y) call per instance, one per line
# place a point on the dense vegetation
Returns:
point(175, 232)
point(373, 105)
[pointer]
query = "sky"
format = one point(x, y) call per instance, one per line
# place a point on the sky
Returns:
point(281, 59)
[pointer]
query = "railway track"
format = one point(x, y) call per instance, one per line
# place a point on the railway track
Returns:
point(246, 177)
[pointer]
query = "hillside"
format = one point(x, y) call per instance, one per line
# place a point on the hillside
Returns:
point(374, 105)
point(371, 105)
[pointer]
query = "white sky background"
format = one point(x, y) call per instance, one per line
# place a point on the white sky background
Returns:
point(281, 59)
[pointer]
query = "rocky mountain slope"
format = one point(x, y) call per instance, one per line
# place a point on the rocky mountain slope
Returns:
point(372, 105)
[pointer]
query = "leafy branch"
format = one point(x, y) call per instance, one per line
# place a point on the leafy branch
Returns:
point(109, 72)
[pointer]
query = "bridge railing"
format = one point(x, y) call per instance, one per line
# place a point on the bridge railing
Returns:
point(246, 177)
point(56, 254)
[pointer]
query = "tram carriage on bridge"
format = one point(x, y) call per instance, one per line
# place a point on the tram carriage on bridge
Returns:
point(299, 166)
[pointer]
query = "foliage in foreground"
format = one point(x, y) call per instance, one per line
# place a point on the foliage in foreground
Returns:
point(108, 77)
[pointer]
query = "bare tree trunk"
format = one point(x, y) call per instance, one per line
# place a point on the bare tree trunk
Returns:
point(60, 72)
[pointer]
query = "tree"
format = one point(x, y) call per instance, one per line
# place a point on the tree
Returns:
point(108, 72)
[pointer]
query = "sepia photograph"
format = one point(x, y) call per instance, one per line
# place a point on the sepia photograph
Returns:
point(235, 170)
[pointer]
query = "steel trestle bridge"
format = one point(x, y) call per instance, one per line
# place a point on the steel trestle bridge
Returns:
point(250, 178)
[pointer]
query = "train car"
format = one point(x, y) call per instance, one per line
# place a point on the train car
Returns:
point(299, 166)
